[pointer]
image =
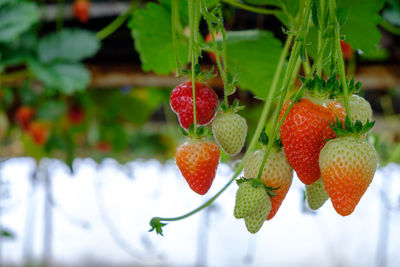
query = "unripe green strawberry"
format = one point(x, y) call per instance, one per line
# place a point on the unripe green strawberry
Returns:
point(316, 195)
point(348, 165)
point(255, 221)
point(277, 173)
point(230, 130)
point(360, 108)
point(249, 199)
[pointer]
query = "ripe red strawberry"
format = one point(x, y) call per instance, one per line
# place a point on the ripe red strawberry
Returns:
point(39, 131)
point(316, 194)
point(230, 130)
point(276, 173)
point(24, 115)
point(347, 51)
point(198, 161)
point(304, 133)
point(81, 10)
point(181, 101)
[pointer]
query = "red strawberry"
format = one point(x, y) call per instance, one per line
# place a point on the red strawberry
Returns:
point(76, 114)
point(347, 51)
point(81, 10)
point(39, 132)
point(24, 115)
point(181, 101)
point(198, 161)
point(304, 133)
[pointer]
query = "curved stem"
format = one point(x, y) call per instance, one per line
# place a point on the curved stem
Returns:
point(115, 24)
point(389, 27)
point(252, 8)
point(339, 55)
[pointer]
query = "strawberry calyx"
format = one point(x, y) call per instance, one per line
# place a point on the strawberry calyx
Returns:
point(349, 128)
point(201, 75)
point(226, 108)
point(257, 183)
point(263, 139)
point(353, 88)
point(200, 132)
point(157, 225)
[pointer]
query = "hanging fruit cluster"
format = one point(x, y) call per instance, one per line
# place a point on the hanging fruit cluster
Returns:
point(319, 132)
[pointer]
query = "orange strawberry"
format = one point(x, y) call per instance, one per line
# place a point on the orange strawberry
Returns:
point(348, 164)
point(304, 131)
point(24, 115)
point(277, 173)
point(198, 161)
point(39, 132)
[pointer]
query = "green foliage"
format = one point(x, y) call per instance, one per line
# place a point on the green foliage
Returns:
point(65, 77)
point(67, 45)
point(15, 18)
point(151, 30)
point(248, 58)
point(360, 29)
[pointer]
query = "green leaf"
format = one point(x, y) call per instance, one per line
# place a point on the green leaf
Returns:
point(248, 57)
point(64, 77)
point(68, 44)
point(20, 50)
point(151, 30)
point(16, 18)
point(360, 28)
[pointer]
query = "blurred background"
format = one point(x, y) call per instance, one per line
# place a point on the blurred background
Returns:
point(88, 138)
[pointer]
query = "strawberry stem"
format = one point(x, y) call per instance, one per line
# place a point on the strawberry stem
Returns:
point(339, 54)
point(175, 21)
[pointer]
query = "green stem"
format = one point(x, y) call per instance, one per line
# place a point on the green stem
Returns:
point(322, 13)
point(193, 17)
point(252, 8)
point(174, 22)
point(253, 141)
point(115, 24)
point(339, 55)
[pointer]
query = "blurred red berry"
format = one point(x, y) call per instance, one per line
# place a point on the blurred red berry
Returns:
point(39, 132)
point(81, 10)
point(24, 115)
point(76, 114)
point(103, 146)
point(346, 50)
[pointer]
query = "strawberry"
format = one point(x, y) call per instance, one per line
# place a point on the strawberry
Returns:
point(39, 131)
point(348, 164)
point(198, 161)
point(360, 108)
point(316, 194)
point(24, 115)
point(76, 114)
point(81, 10)
point(255, 220)
point(249, 198)
point(277, 173)
point(304, 131)
point(181, 101)
point(230, 130)
point(347, 50)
